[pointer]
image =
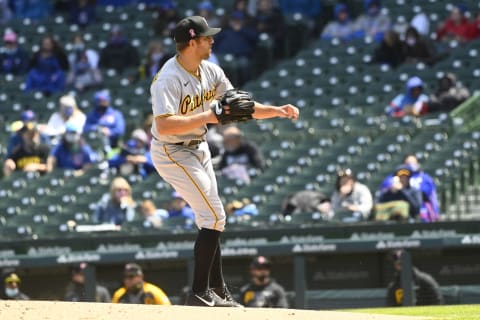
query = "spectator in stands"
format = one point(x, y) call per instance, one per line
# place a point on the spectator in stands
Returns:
point(401, 190)
point(456, 26)
point(68, 113)
point(118, 54)
point(46, 69)
point(239, 156)
point(79, 46)
point(391, 50)
point(342, 27)
point(167, 19)
point(136, 290)
point(239, 40)
point(263, 291)
point(450, 94)
point(13, 58)
point(241, 208)
point(153, 215)
point(72, 153)
point(351, 199)
point(105, 120)
point(11, 289)
point(426, 289)
point(373, 23)
point(156, 57)
point(75, 290)
point(419, 179)
point(307, 201)
point(5, 12)
point(178, 207)
point(417, 48)
point(422, 181)
point(134, 156)
point(269, 19)
point(49, 47)
point(84, 73)
point(30, 155)
point(117, 206)
point(27, 117)
point(82, 12)
point(32, 9)
point(412, 102)
point(206, 10)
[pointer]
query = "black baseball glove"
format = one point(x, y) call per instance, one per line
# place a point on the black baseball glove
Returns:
point(234, 106)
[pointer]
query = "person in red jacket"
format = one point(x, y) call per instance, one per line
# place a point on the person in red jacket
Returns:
point(456, 26)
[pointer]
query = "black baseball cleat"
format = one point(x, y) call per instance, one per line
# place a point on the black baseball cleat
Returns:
point(225, 298)
point(202, 299)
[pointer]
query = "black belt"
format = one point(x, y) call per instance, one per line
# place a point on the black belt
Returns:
point(191, 143)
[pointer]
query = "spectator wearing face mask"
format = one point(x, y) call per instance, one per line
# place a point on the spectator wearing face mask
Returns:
point(351, 197)
point(13, 58)
point(68, 113)
point(263, 291)
point(134, 156)
point(105, 120)
point(12, 288)
point(417, 48)
point(373, 23)
point(84, 72)
point(27, 117)
point(342, 27)
point(72, 153)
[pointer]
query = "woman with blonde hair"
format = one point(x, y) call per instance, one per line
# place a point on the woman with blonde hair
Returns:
point(68, 113)
point(117, 206)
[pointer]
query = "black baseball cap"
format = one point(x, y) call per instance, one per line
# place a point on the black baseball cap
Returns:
point(192, 27)
point(260, 262)
point(132, 269)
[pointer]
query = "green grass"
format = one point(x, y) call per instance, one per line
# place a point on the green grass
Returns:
point(456, 312)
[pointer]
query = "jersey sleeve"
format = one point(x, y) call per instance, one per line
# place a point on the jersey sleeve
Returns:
point(223, 83)
point(166, 96)
point(117, 295)
point(159, 295)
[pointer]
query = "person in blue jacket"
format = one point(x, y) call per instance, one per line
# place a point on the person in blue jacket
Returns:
point(134, 156)
point(13, 57)
point(430, 209)
point(413, 102)
point(72, 152)
point(105, 120)
point(342, 27)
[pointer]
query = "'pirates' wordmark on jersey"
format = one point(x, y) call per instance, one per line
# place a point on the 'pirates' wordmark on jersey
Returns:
point(190, 104)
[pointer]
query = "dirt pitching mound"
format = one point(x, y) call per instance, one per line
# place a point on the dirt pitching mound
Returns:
point(55, 310)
